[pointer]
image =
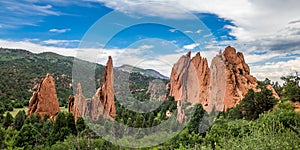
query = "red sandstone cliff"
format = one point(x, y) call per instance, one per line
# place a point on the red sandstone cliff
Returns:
point(231, 80)
point(45, 101)
point(219, 87)
point(189, 79)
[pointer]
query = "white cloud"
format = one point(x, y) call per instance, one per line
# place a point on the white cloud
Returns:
point(60, 41)
point(191, 46)
point(59, 30)
point(19, 13)
point(255, 20)
point(275, 70)
point(172, 30)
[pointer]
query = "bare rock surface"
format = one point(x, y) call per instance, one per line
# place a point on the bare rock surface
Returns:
point(44, 101)
point(218, 87)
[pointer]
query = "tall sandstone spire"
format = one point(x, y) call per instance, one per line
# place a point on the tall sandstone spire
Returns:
point(44, 101)
point(101, 104)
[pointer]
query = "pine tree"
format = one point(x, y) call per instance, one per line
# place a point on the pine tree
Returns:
point(8, 120)
point(19, 120)
point(71, 123)
point(80, 125)
point(28, 135)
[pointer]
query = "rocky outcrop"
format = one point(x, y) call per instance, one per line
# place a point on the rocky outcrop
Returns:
point(178, 79)
point(275, 94)
point(237, 79)
point(105, 94)
point(78, 104)
point(101, 104)
point(44, 101)
point(203, 76)
point(189, 79)
point(219, 87)
point(157, 90)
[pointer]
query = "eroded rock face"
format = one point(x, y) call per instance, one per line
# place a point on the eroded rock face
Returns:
point(237, 77)
point(157, 90)
point(178, 79)
point(219, 87)
point(45, 101)
point(189, 80)
point(105, 94)
point(101, 104)
point(78, 104)
point(203, 77)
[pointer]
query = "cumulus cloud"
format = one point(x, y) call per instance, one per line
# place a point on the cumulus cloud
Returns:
point(59, 30)
point(254, 20)
point(191, 46)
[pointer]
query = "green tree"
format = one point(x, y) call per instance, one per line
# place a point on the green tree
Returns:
point(291, 87)
point(71, 123)
point(139, 122)
point(254, 104)
point(8, 120)
point(19, 120)
point(80, 125)
point(28, 136)
point(60, 129)
point(194, 123)
point(46, 129)
point(2, 138)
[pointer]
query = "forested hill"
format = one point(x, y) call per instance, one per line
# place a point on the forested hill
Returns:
point(21, 71)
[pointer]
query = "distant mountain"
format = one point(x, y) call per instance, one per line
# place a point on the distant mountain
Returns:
point(146, 72)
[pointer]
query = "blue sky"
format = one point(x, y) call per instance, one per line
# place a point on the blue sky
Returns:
point(269, 39)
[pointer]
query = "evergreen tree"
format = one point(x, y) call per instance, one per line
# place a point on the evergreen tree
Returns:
point(291, 87)
point(71, 123)
point(8, 120)
point(194, 123)
point(59, 130)
point(28, 135)
point(80, 125)
point(2, 137)
point(19, 120)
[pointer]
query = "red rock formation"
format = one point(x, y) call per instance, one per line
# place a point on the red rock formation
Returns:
point(237, 77)
point(106, 93)
point(178, 79)
point(78, 104)
point(203, 77)
point(102, 103)
point(219, 87)
point(44, 101)
point(189, 79)
point(270, 87)
point(157, 90)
